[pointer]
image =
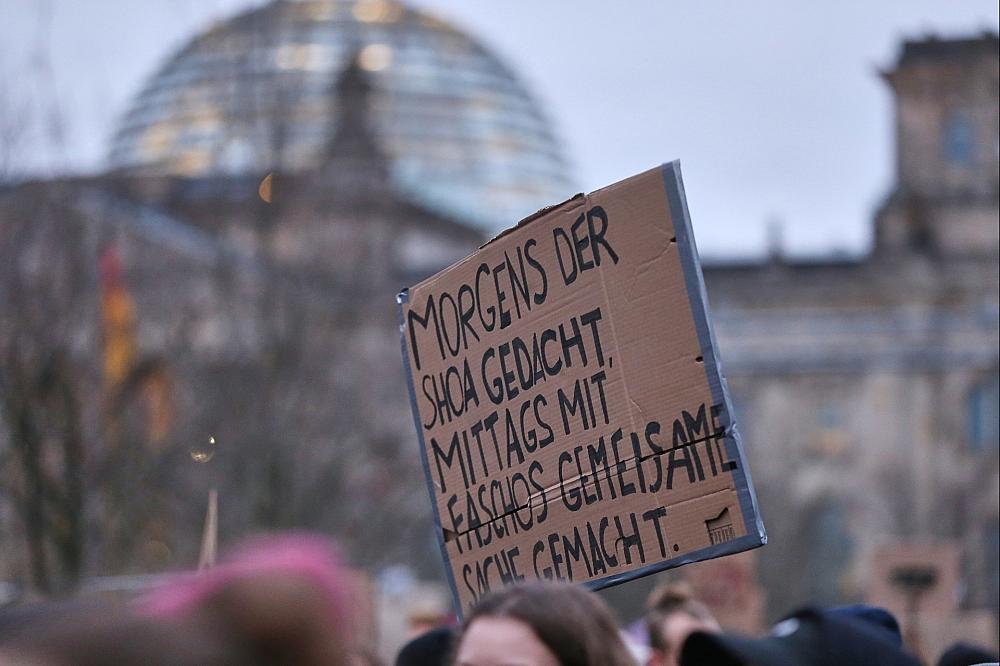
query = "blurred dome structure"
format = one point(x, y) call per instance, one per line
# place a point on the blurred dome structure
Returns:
point(256, 93)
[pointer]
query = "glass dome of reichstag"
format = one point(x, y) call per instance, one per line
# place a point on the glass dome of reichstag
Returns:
point(257, 92)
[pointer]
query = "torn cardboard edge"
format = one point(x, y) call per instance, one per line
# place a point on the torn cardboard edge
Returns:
point(578, 198)
point(754, 532)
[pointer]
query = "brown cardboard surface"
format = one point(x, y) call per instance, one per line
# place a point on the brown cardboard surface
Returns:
point(573, 419)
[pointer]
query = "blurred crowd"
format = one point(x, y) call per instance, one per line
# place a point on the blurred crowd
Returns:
point(286, 600)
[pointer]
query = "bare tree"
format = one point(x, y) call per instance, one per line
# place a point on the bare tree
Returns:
point(41, 389)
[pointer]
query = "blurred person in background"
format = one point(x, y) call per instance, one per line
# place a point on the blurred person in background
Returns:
point(282, 599)
point(108, 633)
point(672, 614)
point(541, 624)
point(279, 600)
point(965, 654)
point(856, 635)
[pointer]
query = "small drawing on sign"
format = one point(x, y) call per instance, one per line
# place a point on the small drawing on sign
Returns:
point(720, 528)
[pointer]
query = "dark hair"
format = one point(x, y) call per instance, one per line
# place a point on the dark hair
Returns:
point(965, 654)
point(574, 624)
point(664, 602)
point(431, 648)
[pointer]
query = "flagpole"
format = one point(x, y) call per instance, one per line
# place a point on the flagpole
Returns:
point(210, 535)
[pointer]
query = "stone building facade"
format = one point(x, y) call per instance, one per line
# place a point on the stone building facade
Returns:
point(867, 388)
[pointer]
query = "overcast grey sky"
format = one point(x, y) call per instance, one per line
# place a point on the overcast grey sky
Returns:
point(774, 108)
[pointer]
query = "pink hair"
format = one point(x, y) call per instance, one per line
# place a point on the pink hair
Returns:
point(312, 557)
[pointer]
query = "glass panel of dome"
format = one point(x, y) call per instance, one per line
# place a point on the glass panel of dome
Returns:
point(433, 90)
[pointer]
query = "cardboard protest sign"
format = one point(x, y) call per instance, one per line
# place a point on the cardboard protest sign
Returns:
point(573, 419)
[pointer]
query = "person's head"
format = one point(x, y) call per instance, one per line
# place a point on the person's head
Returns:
point(276, 599)
point(672, 614)
point(966, 654)
point(541, 624)
point(808, 637)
